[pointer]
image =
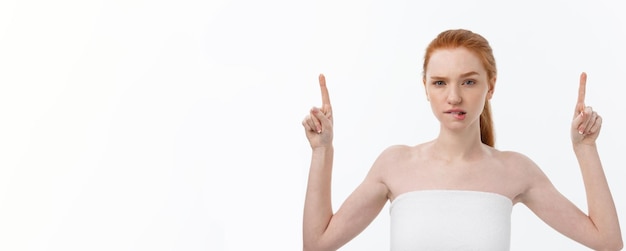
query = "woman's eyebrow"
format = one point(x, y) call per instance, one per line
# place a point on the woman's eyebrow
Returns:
point(464, 75)
point(467, 74)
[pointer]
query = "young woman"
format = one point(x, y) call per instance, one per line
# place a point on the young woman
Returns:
point(456, 192)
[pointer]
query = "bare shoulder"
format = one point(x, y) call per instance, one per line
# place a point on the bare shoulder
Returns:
point(396, 151)
point(525, 169)
point(392, 155)
point(515, 158)
point(522, 164)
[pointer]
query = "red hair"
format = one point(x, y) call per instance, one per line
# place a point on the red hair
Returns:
point(477, 44)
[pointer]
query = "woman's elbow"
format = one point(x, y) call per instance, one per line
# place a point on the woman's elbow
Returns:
point(618, 243)
point(313, 247)
point(612, 245)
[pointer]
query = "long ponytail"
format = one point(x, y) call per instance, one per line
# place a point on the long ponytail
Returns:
point(486, 126)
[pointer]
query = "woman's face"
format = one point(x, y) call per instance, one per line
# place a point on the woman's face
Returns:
point(457, 86)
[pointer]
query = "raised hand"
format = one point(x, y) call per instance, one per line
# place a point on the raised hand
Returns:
point(318, 124)
point(587, 123)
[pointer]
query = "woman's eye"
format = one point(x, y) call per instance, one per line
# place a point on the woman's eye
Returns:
point(439, 83)
point(469, 82)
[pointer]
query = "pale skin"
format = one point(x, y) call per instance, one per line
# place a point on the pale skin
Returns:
point(457, 86)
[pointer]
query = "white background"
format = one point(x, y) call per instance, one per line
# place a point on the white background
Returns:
point(175, 125)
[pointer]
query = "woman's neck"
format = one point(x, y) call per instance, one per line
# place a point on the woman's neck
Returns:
point(458, 145)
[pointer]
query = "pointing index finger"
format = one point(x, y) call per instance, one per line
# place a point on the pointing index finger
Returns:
point(325, 96)
point(580, 104)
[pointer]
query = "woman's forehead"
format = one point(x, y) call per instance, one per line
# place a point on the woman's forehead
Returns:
point(454, 61)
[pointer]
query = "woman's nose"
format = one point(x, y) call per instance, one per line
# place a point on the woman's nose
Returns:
point(454, 97)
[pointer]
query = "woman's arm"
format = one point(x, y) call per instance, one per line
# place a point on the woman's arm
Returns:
point(599, 229)
point(323, 230)
point(601, 208)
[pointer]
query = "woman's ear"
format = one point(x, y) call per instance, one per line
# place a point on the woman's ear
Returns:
point(492, 86)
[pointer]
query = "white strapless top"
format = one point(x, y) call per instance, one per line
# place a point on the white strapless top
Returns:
point(450, 220)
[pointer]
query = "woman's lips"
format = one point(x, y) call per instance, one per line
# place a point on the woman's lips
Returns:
point(457, 114)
